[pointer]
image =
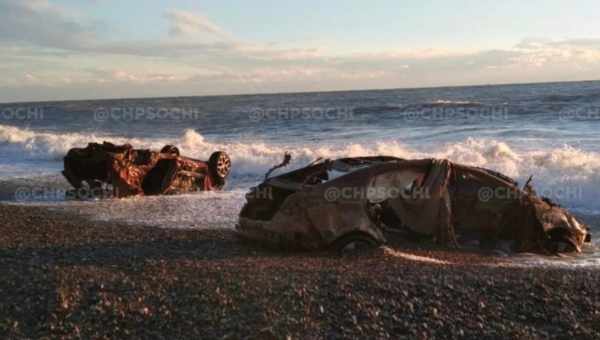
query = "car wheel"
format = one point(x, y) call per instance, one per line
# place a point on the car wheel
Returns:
point(219, 165)
point(355, 243)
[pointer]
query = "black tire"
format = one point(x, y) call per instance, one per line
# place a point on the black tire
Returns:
point(355, 243)
point(219, 165)
point(170, 149)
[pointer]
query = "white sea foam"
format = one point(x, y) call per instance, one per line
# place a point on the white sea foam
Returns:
point(454, 102)
point(566, 174)
point(190, 211)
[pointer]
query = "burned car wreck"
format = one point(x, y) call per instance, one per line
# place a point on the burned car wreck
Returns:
point(354, 201)
point(128, 172)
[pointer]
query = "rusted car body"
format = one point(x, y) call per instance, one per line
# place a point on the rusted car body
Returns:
point(130, 172)
point(310, 209)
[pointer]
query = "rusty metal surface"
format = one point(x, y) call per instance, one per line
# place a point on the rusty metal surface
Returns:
point(133, 172)
point(438, 198)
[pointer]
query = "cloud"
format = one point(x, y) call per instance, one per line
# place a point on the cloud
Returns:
point(53, 48)
point(37, 22)
point(39, 28)
point(543, 52)
point(183, 23)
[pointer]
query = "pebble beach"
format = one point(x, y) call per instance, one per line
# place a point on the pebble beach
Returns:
point(66, 277)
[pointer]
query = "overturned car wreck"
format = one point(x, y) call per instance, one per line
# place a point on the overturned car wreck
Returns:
point(129, 172)
point(353, 202)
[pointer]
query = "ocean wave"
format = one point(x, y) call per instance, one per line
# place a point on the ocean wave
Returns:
point(377, 109)
point(20, 143)
point(454, 102)
point(565, 173)
point(444, 105)
point(439, 103)
point(571, 98)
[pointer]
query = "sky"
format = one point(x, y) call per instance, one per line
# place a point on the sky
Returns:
point(89, 49)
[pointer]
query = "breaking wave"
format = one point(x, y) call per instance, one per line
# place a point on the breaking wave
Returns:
point(567, 174)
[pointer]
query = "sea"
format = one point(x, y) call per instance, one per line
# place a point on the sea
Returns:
point(547, 132)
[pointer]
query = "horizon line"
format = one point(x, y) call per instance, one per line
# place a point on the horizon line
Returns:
point(303, 92)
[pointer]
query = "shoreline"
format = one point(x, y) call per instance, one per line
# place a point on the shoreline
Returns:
point(67, 277)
